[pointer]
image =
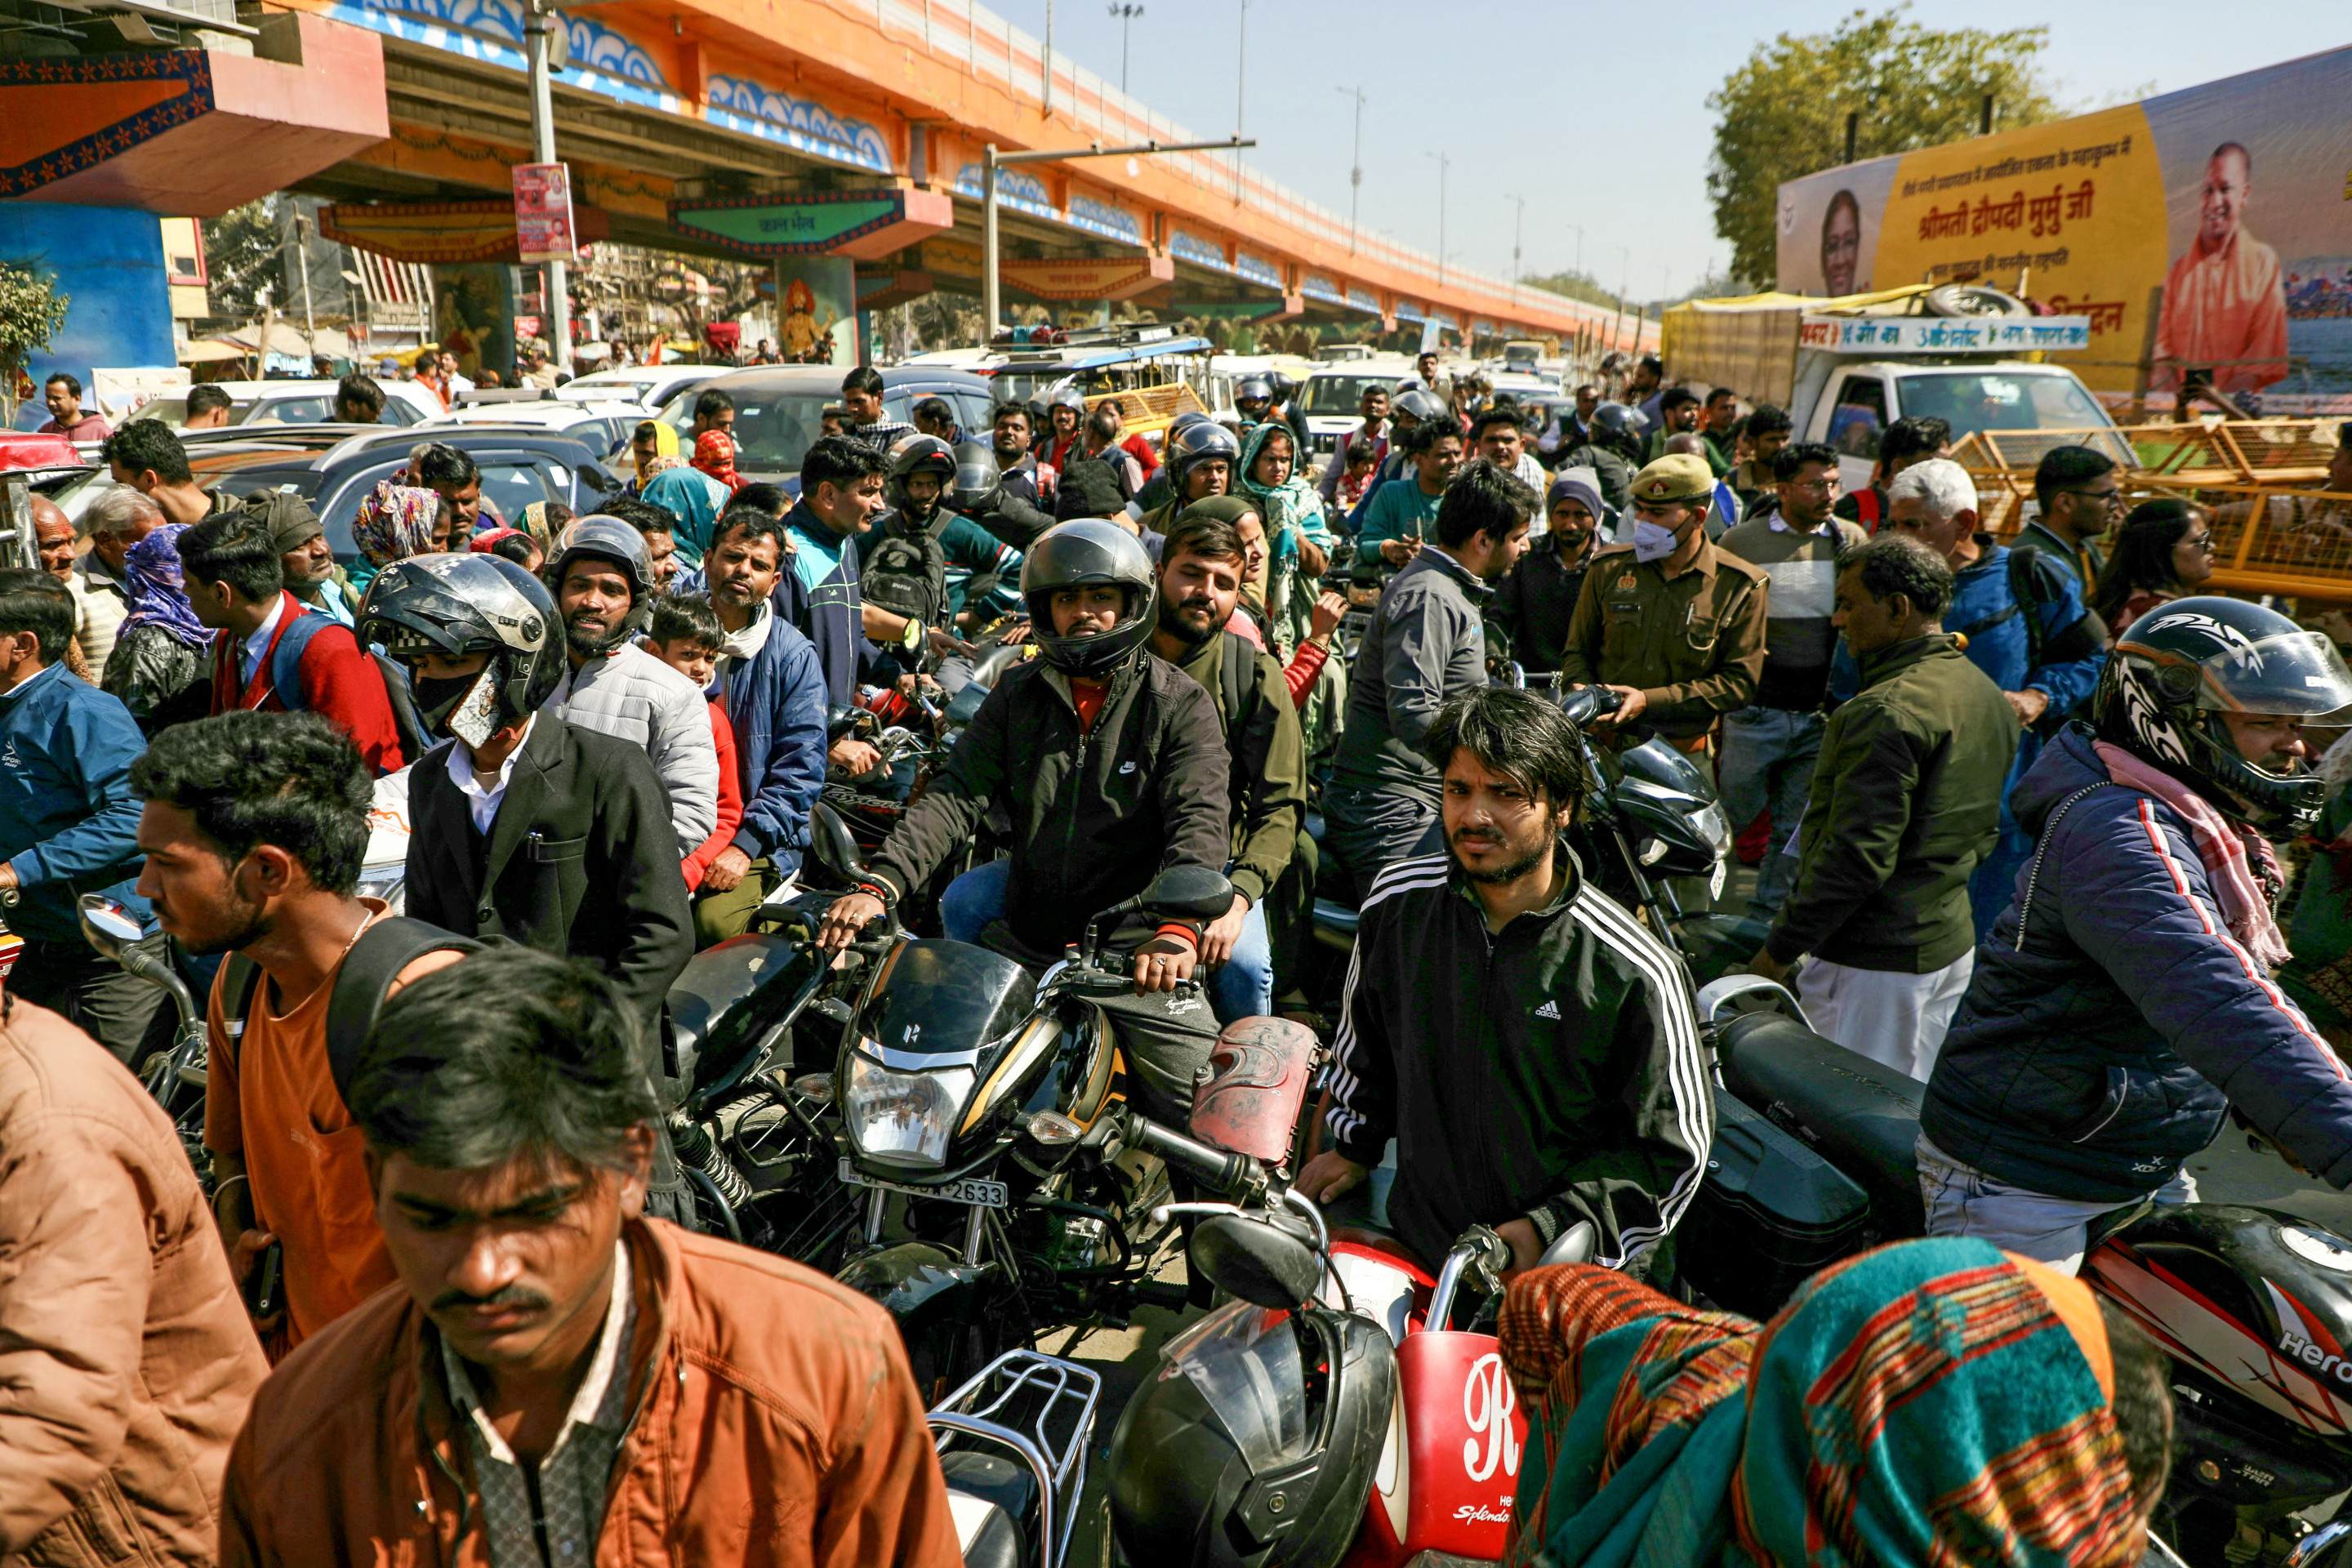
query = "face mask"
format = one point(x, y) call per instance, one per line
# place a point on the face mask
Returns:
point(465, 706)
point(1652, 542)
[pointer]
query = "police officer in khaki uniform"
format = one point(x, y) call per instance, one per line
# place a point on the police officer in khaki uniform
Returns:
point(1669, 621)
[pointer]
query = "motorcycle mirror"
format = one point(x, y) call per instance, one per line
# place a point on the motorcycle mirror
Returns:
point(1265, 1263)
point(108, 926)
point(1574, 1245)
point(836, 849)
point(1193, 890)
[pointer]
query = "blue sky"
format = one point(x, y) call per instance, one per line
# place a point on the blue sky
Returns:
point(1596, 114)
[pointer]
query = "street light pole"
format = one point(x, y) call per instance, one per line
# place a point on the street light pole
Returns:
point(1444, 161)
point(1048, 53)
point(991, 293)
point(1241, 94)
point(544, 18)
point(1124, 15)
point(1517, 224)
point(1355, 163)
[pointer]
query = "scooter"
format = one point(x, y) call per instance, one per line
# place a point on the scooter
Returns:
point(1814, 1161)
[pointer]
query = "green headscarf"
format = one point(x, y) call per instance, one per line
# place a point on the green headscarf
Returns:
point(1931, 1402)
point(1288, 507)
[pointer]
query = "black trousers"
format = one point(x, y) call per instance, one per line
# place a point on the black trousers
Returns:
point(92, 992)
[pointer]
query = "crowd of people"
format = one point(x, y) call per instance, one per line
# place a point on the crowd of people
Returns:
point(2013, 807)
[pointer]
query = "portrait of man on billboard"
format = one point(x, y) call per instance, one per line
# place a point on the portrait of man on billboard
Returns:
point(2224, 299)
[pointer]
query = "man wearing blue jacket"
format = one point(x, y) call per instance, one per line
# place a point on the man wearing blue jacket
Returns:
point(775, 693)
point(2125, 998)
point(2021, 620)
point(69, 821)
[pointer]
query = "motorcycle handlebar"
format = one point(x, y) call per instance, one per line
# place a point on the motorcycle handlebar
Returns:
point(1232, 1175)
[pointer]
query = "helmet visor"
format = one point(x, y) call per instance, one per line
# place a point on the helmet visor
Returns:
point(2296, 674)
point(1246, 1362)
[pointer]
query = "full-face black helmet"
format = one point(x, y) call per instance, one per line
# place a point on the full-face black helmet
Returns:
point(2180, 668)
point(1078, 554)
point(977, 477)
point(462, 605)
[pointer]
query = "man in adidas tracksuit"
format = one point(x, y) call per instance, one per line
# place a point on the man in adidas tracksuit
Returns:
point(1532, 1048)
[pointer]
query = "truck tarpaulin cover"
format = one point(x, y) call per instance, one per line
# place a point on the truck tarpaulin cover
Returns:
point(2208, 229)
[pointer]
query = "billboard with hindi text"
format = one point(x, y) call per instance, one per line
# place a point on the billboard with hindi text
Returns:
point(2205, 234)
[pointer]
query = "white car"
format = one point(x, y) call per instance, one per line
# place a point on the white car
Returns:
point(1332, 399)
point(604, 425)
point(644, 386)
point(295, 403)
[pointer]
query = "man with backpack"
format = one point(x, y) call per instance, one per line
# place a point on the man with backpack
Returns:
point(923, 561)
point(1200, 583)
point(254, 825)
point(271, 653)
point(2022, 621)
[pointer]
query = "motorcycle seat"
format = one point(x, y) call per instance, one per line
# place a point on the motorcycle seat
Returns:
point(1861, 1116)
point(993, 1498)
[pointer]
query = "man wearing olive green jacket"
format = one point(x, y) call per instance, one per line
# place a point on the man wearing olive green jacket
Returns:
point(1906, 801)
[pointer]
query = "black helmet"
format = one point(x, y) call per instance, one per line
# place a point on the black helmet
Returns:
point(461, 604)
point(603, 536)
point(2180, 667)
point(1253, 389)
point(1263, 1453)
point(913, 454)
point(1621, 430)
point(1417, 404)
point(1282, 385)
point(973, 489)
point(1072, 555)
point(1195, 443)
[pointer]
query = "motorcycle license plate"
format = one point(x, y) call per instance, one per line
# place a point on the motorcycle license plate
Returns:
point(976, 1191)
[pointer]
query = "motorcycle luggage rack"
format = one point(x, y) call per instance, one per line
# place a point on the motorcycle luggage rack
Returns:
point(1041, 1408)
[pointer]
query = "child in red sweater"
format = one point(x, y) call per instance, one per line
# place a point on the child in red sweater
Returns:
point(685, 635)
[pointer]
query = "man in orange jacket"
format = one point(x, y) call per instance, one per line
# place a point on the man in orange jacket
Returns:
point(557, 1379)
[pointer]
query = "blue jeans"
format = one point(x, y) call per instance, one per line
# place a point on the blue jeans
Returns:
point(973, 900)
point(1241, 987)
point(1767, 763)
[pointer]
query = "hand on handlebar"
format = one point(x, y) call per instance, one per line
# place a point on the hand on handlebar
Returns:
point(1525, 1244)
point(856, 758)
point(1398, 552)
point(1161, 965)
point(846, 920)
point(1631, 705)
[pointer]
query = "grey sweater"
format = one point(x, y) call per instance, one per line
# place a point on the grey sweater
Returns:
point(1799, 642)
point(1427, 642)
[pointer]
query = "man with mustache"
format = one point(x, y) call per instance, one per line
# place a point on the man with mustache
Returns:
point(559, 1378)
point(1531, 1048)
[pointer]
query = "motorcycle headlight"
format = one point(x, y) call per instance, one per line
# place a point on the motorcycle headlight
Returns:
point(903, 1118)
point(1712, 826)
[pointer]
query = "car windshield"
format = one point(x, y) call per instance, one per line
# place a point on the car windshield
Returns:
point(773, 431)
point(2008, 400)
point(1341, 393)
point(301, 480)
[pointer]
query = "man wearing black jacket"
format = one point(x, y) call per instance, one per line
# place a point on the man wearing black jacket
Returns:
point(525, 826)
point(1531, 1048)
point(1110, 762)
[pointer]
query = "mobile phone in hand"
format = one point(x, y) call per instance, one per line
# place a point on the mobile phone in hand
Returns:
point(263, 1294)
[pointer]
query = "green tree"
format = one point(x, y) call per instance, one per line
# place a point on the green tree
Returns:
point(1782, 114)
point(32, 312)
point(242, 258)
point(1575, 285)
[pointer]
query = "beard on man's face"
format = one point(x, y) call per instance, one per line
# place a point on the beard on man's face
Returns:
point(1191, 619)
point(248, 927)
point(1502, 857)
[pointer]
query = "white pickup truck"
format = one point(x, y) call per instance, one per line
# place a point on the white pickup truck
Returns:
point(1846, 370)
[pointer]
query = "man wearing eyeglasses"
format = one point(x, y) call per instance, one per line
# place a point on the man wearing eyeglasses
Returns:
point(2081, 497)
point(1770, 746)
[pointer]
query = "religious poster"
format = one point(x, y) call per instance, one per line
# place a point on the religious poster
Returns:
point(817, 310)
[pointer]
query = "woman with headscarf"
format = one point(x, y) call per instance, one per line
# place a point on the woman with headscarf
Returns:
point(714, 454)
point(1296, 537)
point(1931, 1402)
point(393, 522)
point(651, 441)
point(696, 499)
point(161, 664)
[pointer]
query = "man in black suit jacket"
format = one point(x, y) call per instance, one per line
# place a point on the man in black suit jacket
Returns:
point(521, 826)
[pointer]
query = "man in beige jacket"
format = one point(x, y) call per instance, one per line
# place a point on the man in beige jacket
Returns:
point(126, 1363)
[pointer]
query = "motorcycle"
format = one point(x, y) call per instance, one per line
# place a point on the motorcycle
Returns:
point(1814, 1161)
point(991, 1111)
point(1330, 1412)
point(1013, 1447)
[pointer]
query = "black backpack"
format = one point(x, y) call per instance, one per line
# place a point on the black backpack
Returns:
point(367, 970)
point(907, 572)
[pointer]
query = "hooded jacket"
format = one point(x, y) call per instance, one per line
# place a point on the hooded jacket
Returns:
point(1550, 1070)
point(775, 700)
point(1096, 813)
point(2112, 1017)
point(774, 1422)
point(128, 1359)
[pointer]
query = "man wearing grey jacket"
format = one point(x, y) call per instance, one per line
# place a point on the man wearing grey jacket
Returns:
point(1426, 644)
point(603, 581)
